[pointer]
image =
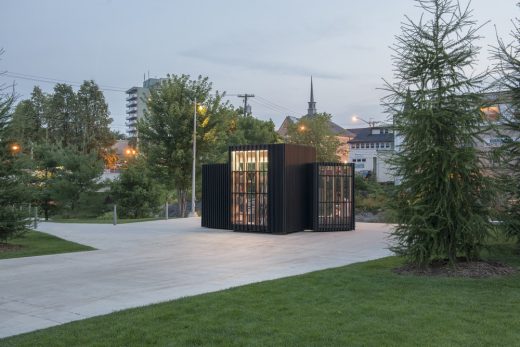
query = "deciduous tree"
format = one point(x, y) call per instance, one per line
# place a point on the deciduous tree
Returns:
point(315, 131)
point(166, 131)
point(93, 132)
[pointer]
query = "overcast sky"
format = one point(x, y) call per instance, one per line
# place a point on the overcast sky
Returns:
point(269, 48)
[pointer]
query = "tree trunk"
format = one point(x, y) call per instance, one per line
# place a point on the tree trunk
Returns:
point(46, 209)
point(181, 199)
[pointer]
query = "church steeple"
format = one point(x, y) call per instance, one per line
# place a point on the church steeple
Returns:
point(312, 105)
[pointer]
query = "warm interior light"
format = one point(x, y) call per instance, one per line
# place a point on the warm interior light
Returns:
point(491, 113)
point(15, 147)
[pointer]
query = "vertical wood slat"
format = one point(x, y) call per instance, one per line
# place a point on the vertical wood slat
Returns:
point(216, 196)
point(247, 198)
point(326, 204)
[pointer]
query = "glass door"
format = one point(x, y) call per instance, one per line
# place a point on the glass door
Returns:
point(249, 206)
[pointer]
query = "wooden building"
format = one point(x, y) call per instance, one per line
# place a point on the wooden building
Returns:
point(279, 189)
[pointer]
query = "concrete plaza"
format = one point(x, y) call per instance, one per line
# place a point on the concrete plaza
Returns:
point(143, 263)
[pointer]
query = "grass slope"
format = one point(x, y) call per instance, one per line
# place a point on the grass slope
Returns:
point(360, 304)
point(38, 243)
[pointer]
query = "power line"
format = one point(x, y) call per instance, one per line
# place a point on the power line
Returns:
point(54, 81)
point(278, 110)
point(276, 105)
point(36, 78)
point(58, 80)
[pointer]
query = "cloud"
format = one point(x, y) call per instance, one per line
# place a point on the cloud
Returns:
point(264, 65)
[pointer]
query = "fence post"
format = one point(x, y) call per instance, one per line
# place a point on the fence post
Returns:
point(35, 225)
point(166, 210)
point(115, 215)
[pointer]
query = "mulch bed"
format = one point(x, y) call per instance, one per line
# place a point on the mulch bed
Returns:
point(471, 269)
point(7, 247)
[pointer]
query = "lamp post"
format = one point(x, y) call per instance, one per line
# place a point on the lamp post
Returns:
point(371, 123)
point(193, 213)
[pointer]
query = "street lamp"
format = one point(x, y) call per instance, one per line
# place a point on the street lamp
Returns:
point(371, 123)
point(201, 109)
point(15, 148)
point(130, 152)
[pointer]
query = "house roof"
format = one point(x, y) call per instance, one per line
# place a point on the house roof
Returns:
point(334, 128)
point(365, 135)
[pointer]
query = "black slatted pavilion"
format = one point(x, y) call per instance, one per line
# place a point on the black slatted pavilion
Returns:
point(274, 188)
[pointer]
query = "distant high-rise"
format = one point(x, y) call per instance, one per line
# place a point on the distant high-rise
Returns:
point(312, 105)
point(136, 104)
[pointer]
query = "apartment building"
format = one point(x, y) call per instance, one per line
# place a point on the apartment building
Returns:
point(136, 98)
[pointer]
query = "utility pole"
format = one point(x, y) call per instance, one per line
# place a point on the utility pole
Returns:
point(245, 96)
point(193, 213)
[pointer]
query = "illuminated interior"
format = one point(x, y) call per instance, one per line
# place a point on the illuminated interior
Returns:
point(249, 171)
point(335, 196)
point(491, 112)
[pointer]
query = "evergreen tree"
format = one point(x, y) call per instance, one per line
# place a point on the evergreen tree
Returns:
point(46, 163)
point(442, 200)
point(63, 176)
point(76, 175)
point(13, 192)
point(135, 191)
point(508, 66)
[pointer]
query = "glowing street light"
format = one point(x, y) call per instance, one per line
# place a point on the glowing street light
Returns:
point(15, 148)
point(302, 128)
point(130, 152)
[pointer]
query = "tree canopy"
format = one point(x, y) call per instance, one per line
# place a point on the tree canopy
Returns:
point(315, 131)
point(166, 131)
point(64, 117)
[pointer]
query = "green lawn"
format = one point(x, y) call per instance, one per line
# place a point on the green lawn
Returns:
point(38, 243)
point(102, 221)
point(360, 304)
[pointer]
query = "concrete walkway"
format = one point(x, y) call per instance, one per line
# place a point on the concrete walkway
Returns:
point(144, 263)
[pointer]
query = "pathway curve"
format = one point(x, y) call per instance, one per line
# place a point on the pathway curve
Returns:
point(143, 263)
